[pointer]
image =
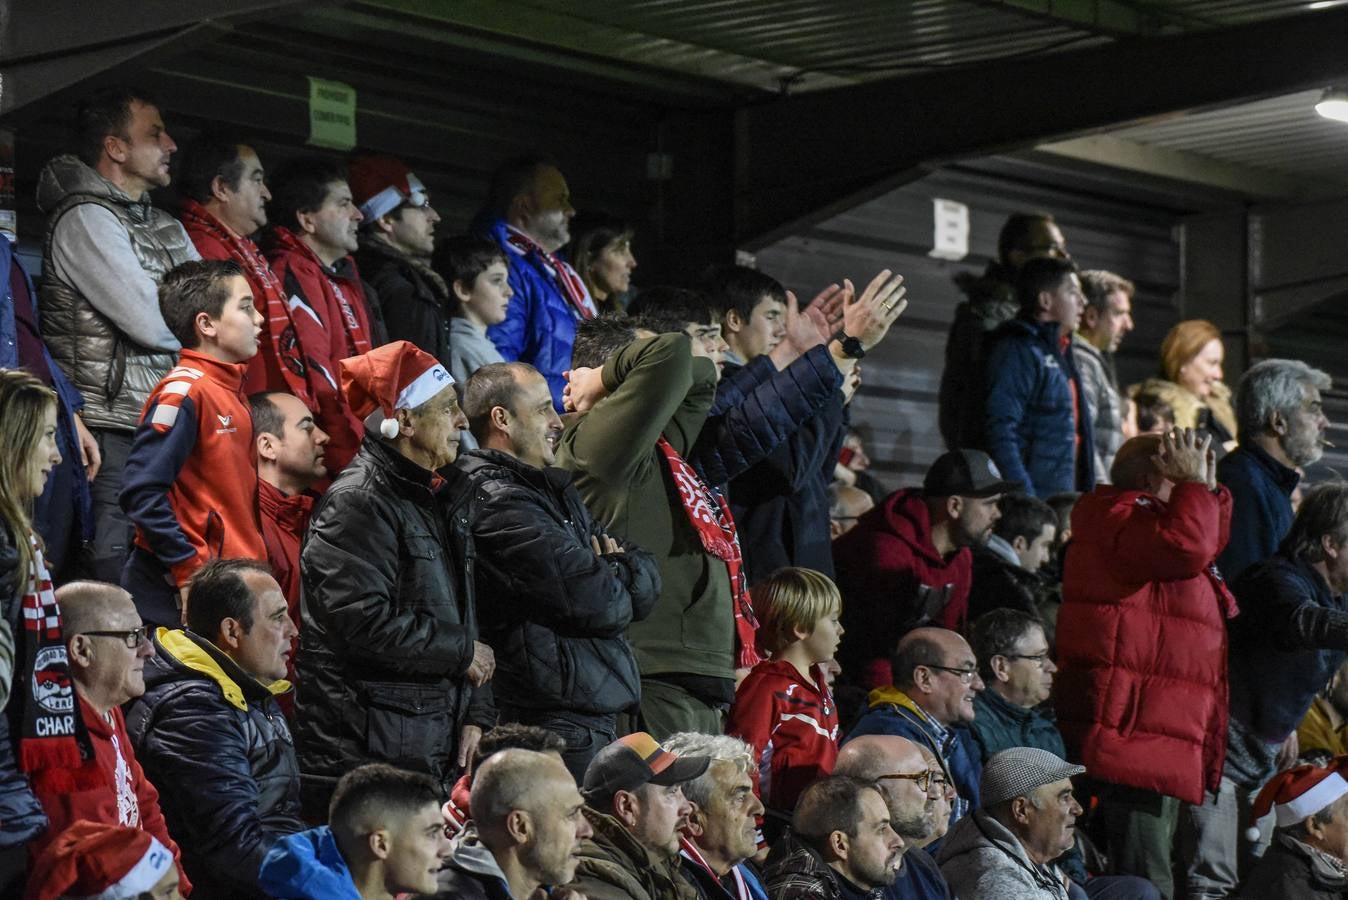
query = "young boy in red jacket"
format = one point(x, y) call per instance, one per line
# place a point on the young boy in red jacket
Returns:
point(784, 708)
point(190, 484)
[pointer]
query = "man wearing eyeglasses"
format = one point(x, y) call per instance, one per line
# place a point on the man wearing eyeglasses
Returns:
point(397, 238)
point(913, 785)
point(106, 646)
point(931, 703)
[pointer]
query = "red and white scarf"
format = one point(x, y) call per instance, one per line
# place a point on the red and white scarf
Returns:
point(690, 852)
point(710, 516)
point(567, 280)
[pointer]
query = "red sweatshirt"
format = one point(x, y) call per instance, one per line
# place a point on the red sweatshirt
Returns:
point(127, 798)
point(792, 726)
point(190, 483)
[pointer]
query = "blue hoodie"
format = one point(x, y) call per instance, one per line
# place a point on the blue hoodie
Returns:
point(307, 866)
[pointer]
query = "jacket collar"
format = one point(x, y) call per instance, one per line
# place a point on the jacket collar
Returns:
point(610, 835)
point(285, 240)
point(1002, 550)
point(1286, 479)
point(905, 515)
point(1004, 707)
point(230, 375)
point(411, 480)
point(195, 653)
point(549, 478)
point(290, 511)
point(892, 696)
point(475, 859)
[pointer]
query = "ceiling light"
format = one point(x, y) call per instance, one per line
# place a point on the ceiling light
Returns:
point(1334, 105)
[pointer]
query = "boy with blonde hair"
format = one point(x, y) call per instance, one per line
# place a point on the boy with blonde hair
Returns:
point(784, 708)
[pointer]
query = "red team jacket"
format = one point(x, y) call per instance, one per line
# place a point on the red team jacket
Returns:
point(792, 726)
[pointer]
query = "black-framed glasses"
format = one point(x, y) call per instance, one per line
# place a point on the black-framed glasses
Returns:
point(924, 780)
point(965, 675)
point(1039, 659)
point(132, 638)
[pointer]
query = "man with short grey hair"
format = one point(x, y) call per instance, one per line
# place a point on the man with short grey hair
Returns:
point(1004, 851)
point(721, 832)
point(1281, 428)
point(1106, 319)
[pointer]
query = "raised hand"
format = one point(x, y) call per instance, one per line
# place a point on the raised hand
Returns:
point(868, 317)
point(1184, 455)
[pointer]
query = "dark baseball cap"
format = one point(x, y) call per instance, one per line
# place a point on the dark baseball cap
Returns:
point(965, 473)
point(634, 760)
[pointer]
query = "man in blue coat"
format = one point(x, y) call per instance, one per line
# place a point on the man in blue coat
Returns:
point(528, 213)
point(1035, 421)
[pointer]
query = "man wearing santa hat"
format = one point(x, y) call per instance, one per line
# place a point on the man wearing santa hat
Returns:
point(389, 657)
point(93, 859)
point(1308, 859)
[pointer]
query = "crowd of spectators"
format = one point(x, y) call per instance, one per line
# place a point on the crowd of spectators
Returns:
point(345, 559)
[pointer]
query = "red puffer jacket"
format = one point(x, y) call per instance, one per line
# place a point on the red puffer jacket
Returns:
point(1142, 692)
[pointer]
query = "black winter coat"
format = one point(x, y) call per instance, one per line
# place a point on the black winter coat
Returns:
point(388, 620)
point(412, 307)
point(555, 613)
point(21, 816)
point(781, 504)
point(1285, 872)
point(214, 742)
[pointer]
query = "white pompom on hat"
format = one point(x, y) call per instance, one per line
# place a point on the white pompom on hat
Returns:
point(1300, 792)
point(389, 378)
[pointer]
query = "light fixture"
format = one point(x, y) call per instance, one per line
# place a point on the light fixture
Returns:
point(1334, 105)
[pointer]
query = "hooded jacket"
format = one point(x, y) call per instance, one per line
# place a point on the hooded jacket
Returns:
point(615, 866)
point(472, 874)
point(92, 281)
point(389, 620)
point(893, 579)
point(981, 858)
point(307, 865)
point(894, 712)
point(212, 738)
point(990, 301)
point(1037, 431)
point(1142, 639)
point(330, 321)
point(555, 613)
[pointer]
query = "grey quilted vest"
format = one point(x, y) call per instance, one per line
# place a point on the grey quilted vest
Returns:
point(115, 374)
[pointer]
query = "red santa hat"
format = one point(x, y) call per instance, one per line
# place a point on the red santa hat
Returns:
point(1300, 792)
point(380, 184)
point(389, 378)
point(99, 862)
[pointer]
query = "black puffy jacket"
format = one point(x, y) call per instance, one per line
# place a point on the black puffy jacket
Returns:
point(388, 620)
point(413, 307)
point(213, 741)
point(21, 816)
point(555, 613)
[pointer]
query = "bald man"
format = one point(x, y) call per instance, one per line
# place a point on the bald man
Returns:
point(912, 783)
point(931, 700)
point(107, 647)
point(530, 822)
point(848, 503)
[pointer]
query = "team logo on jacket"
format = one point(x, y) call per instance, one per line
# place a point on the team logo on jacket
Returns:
point(225, 425)
point(51, 681)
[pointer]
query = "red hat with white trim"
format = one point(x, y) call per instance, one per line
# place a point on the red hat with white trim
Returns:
point(100, 862)
point(389, 378)
point(1301, 791)
point(380, 184)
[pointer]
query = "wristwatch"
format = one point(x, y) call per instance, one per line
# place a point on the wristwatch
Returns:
point(851, 347)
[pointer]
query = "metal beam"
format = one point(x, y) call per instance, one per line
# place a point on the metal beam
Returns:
point(1117, 18)
point(812, 153)
point(1181, 165)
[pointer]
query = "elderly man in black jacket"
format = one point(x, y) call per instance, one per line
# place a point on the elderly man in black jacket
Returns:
point(557, 593)
point(389, 657)
point(208, 731)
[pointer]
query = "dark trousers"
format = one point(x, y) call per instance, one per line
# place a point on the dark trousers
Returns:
point(112, 531)
point(585, 735)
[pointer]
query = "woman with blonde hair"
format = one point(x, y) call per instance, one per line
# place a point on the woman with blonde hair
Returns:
point(1191, 381)
point(41, 733)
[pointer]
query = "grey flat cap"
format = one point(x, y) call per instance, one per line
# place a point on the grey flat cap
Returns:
point(1019, 771)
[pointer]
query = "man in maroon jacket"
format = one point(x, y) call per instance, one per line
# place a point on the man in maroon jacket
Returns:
point(1142, 688)
point(907, 563)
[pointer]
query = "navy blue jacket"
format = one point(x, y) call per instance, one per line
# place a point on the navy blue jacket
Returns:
point(1290, 636)
point(920, 879)
point(781, 503)
point(1031, 430)
point(1261, 507)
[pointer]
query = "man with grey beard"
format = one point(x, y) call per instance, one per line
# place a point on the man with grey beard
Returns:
point(912, 784)
point(1282, 428)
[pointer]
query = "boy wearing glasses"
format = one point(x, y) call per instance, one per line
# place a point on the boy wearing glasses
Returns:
point(107, 646)
point(784, 708)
